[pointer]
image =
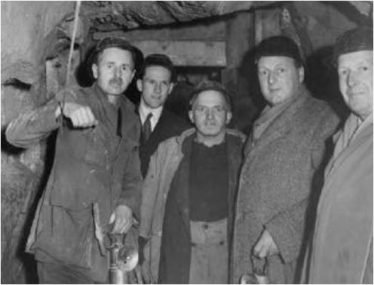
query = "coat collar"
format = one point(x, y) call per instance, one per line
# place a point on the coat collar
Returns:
point(280, 125)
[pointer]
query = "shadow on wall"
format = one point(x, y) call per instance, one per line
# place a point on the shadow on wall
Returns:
point(321, 79)
point(248, 71)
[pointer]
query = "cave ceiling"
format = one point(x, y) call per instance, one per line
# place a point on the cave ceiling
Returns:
point(125, 15)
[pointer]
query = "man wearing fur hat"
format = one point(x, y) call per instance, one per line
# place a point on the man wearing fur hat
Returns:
point(95, 180)
point(284, 150)
point(342, 249)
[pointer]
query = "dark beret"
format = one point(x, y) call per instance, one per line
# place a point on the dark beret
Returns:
point(110, 42)
point(357, 39)
point(279, 46)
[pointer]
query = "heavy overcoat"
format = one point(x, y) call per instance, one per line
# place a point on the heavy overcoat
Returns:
point(97, 165)
point(163, 165)
point(343, 240)
point(275, 184)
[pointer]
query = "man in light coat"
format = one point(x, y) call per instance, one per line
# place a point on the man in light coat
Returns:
point(285, 148)
point(188, 196)
point(342, 250)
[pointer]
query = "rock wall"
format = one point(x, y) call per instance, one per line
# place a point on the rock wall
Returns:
point(28, 35)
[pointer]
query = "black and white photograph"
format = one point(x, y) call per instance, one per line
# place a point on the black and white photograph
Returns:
point(186, 142)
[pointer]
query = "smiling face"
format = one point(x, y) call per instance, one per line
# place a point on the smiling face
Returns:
point(155, 86)
point(114, 70)
point(210, 115)
point(355, 71)
point(279, 78)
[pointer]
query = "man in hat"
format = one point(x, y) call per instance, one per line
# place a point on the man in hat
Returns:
point(95, 180)
point(342, 249)
point(284, 150)
point(188, 196)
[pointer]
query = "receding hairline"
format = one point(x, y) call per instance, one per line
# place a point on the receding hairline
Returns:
point(224, 96)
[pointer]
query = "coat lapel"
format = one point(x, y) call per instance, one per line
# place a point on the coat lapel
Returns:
point(280, 126)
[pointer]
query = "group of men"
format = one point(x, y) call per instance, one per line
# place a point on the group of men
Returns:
point(209, 205)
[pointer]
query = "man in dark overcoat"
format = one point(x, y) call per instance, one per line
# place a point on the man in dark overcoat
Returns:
point(285, 148)
point(156, 82)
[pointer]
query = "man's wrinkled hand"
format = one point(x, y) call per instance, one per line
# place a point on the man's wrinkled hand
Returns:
point(265, 246)
point(122, 219)
point(80, 116)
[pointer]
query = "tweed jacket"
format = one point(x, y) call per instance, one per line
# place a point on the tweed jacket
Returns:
point(342, 250)
point(275, 184)
point(164, 163)
point(92, 165)
point(169, 125)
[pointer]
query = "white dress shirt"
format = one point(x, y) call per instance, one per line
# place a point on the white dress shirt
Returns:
point(144, 111)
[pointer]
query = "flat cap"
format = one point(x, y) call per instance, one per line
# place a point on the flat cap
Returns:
point(357, 39)
point(279, 46)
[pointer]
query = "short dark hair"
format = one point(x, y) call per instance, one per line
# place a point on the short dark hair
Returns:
point(279, 46)
point(357, 39)
point(157, 59)
point(110, 42)
point(207, 85)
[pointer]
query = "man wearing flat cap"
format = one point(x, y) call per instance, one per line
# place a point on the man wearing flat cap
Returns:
point(342, 249)
point(95, 181)
point(285, 149)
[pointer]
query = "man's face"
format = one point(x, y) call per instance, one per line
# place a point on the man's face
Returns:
point(155, 86)
point(210, 114)
point(279, 78)
point(114, 70)
point(355, 71)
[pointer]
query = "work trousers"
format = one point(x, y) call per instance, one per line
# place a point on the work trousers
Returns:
point(209, 253)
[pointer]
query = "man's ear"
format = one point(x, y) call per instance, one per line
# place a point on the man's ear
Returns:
point(301, 74)
point(95, 70)
point(190, 115)
point(139, 85)
point(228, 117)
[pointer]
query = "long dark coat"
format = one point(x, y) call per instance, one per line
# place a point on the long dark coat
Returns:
point(275, 184)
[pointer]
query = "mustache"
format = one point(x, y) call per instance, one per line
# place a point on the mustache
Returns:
point(116, 81)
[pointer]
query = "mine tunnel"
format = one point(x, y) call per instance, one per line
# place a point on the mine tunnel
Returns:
point(205, 40)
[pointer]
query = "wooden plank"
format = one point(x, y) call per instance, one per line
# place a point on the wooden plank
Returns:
point(188, 53)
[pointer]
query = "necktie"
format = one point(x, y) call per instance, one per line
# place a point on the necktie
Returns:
point(146, 128)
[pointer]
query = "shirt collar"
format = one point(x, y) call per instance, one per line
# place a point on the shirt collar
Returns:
point(144, 111)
